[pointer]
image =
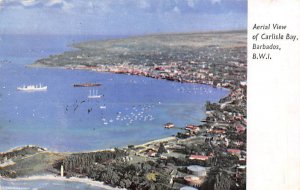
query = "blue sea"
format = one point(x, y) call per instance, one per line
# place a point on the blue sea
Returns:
point(43, 184)
point(132, 109)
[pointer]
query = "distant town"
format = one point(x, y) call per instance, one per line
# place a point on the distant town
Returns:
point(209, 156)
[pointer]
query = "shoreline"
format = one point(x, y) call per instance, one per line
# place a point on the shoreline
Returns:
point(217, 115)
point(87, 181)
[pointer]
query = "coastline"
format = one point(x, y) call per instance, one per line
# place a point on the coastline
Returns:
point(212, 121)
point(58, 178)
point(156, 141)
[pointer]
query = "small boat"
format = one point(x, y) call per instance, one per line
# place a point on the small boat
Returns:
point(87, 85)
point(32, 88)
point(169, 125)
point(94, 94)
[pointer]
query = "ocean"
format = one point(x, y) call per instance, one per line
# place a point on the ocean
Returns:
point(52, 184)
point(132, 109)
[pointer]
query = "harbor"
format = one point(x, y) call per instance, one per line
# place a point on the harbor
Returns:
point(211, 153)
point(131, 108)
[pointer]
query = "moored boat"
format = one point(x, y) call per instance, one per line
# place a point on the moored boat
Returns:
point(32, 88)
point(87, 85)
point(94, 94)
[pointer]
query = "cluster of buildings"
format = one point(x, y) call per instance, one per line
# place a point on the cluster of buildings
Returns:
point(221, 67)
point(225, 126)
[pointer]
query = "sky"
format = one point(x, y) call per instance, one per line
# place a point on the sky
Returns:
point(120, 17)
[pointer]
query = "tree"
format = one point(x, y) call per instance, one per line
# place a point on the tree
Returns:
point(161, 149)
point(223, 182)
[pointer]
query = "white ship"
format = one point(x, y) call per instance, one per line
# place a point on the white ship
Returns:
point(32, 88)
point(94, 94)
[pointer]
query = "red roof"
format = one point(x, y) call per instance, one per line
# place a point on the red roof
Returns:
point(192, 128)
point(218, 131)
point(240, 129)
point(234, 151)
point(198, 157)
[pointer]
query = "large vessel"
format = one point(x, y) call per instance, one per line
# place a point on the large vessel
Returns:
point(94, 94)
point(87, 85)
point(32, 88)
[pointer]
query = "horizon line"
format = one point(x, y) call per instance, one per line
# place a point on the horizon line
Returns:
point(136, 34)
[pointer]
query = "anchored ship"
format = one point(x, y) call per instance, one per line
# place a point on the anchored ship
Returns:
point(32, 88)
point(94, 94)
point(87, 85)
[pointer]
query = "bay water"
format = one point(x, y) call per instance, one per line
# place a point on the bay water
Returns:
point(132, 109)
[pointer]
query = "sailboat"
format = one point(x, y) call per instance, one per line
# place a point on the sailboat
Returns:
point(94, 94)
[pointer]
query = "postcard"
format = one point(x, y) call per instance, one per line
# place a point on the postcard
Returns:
point(147, 94)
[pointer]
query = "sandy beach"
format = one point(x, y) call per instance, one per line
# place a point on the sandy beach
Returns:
point(167, 139)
